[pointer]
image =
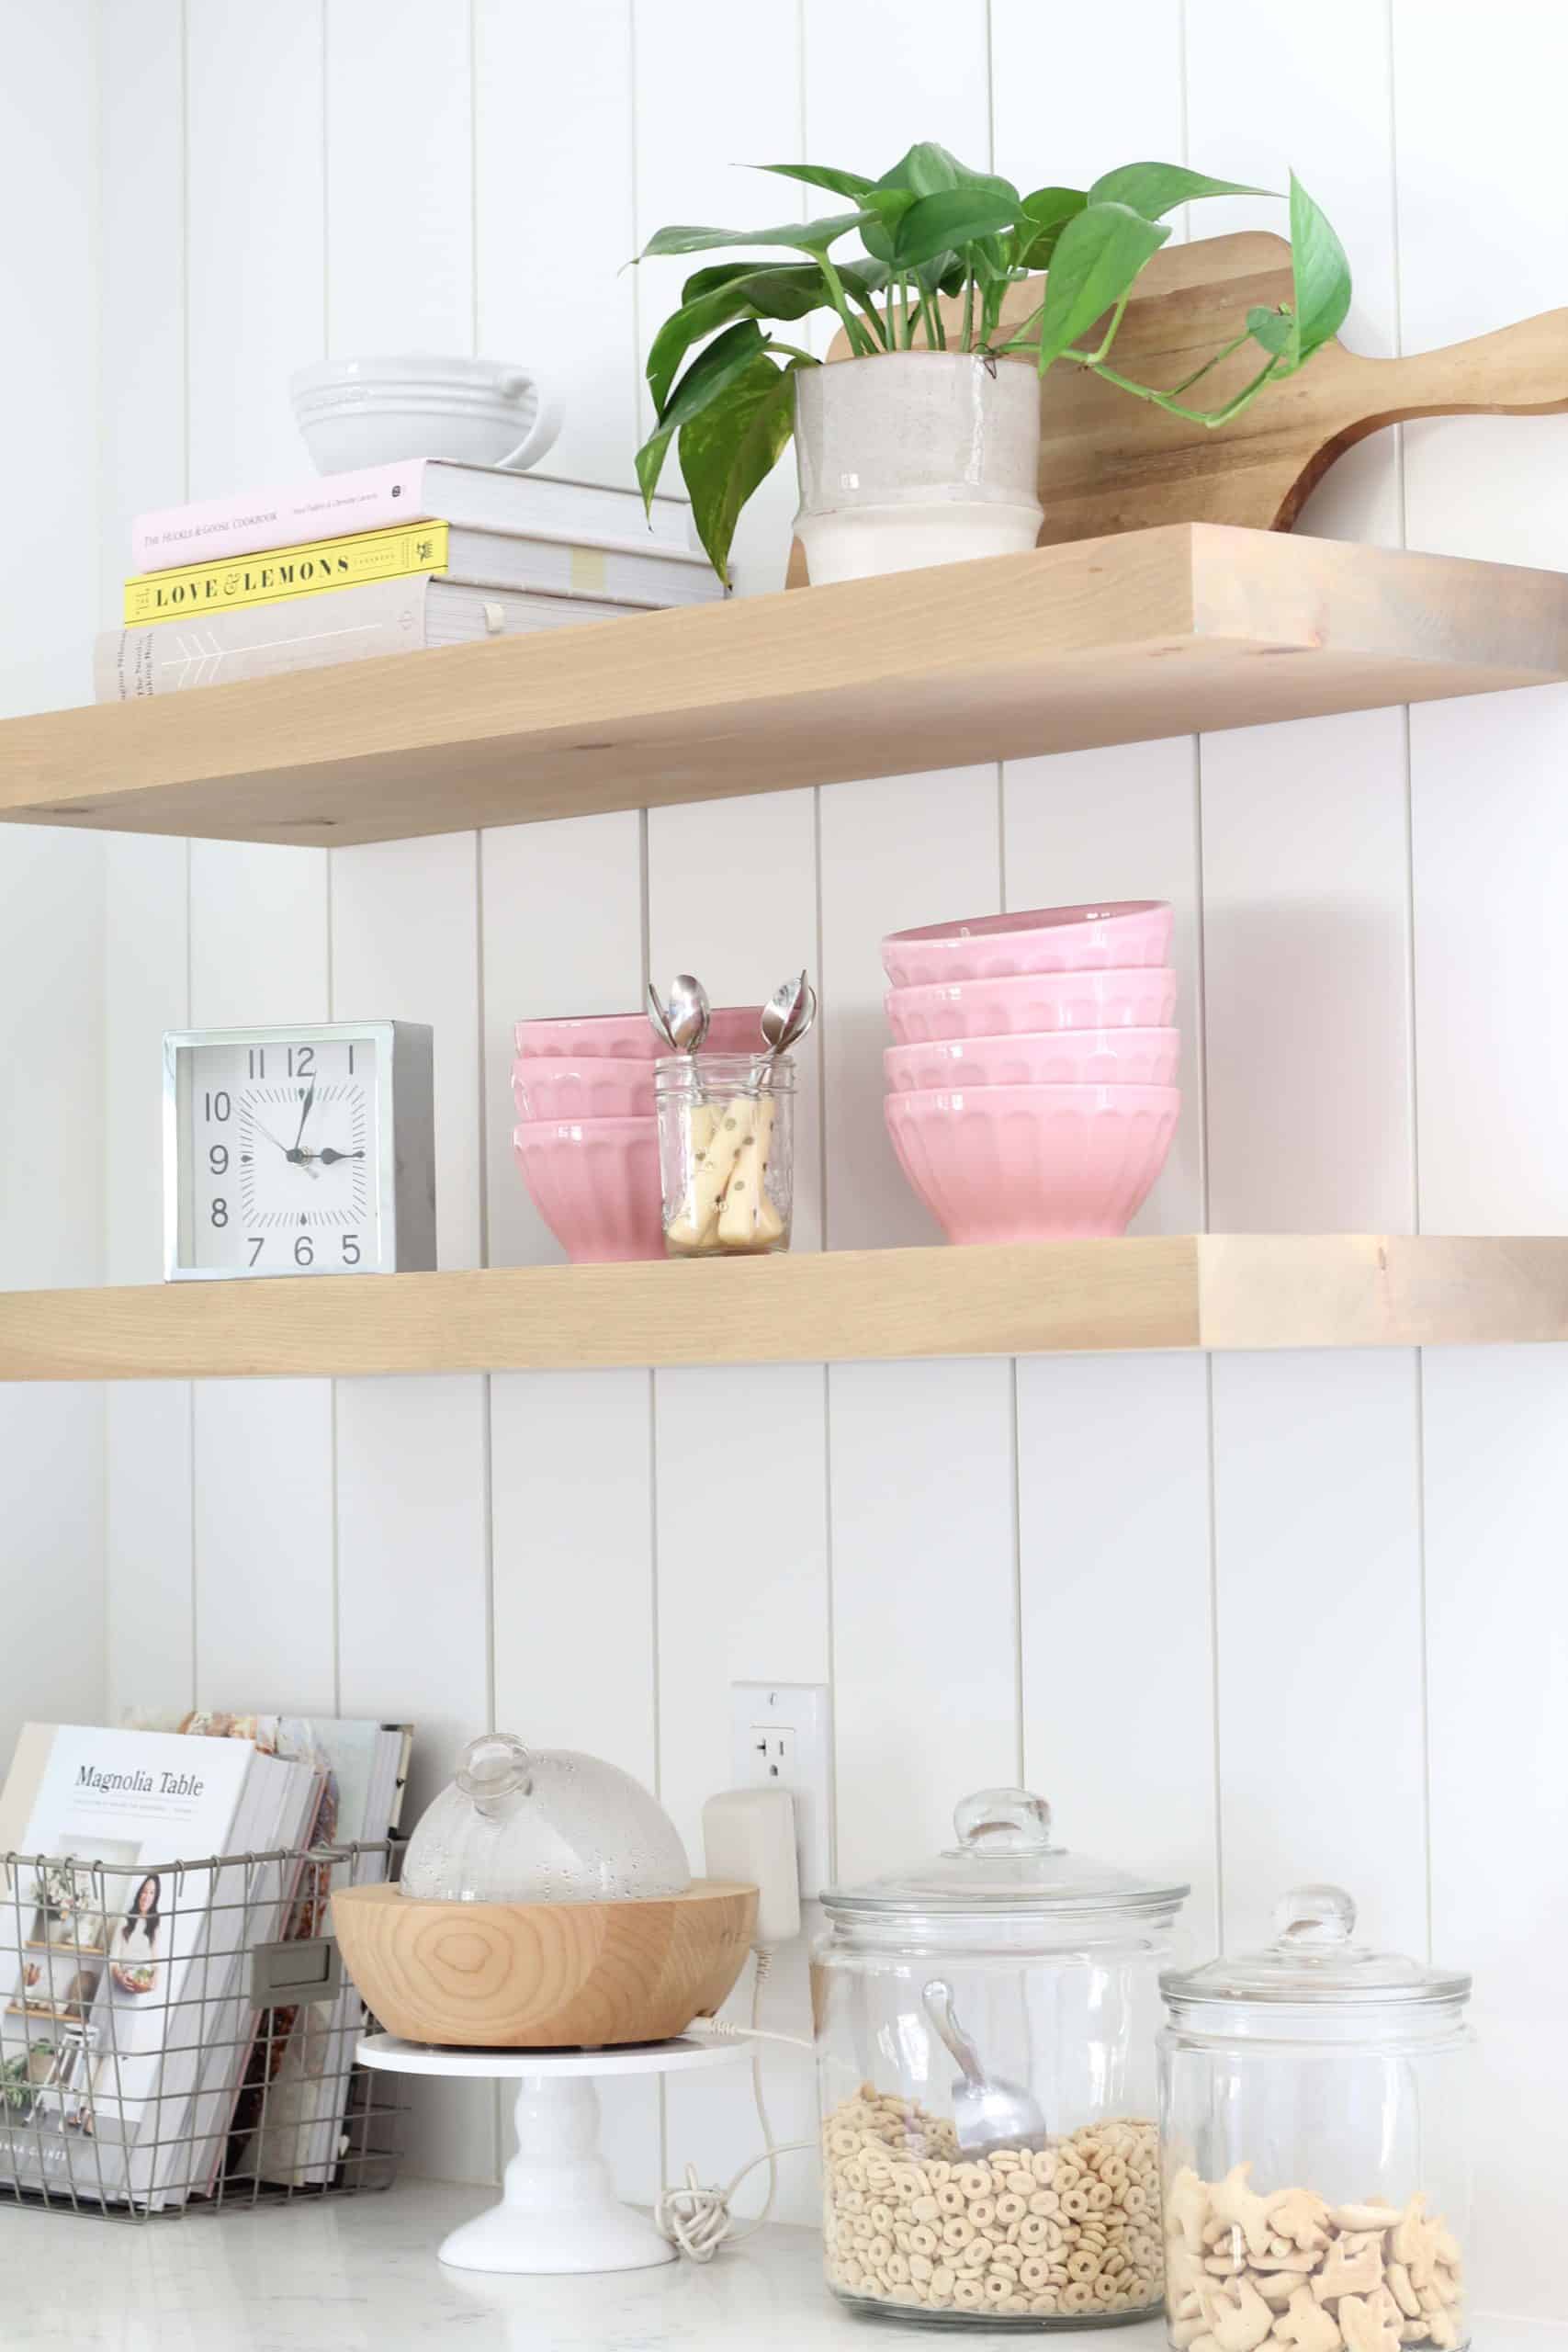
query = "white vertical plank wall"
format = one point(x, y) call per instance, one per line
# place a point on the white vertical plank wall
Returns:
point(555, 217)
point(52, 1657)
point(1306, 1020)
point(262, 1458)
point(741, 1540)
point(921, 1486)
point(143, 462)
point(1488, 839)
point(1271, 1619)
point(1137, 1427)
point(697, 63)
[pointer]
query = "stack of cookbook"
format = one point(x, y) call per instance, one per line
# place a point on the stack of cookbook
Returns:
point(382, 560)
point(140, 1871)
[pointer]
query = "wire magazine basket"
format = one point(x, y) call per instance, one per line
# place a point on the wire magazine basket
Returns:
point(179, 2037)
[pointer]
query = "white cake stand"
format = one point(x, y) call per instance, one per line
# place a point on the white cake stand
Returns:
point(557, 2211)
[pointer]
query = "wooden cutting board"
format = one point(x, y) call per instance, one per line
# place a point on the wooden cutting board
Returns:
point(1109, 462)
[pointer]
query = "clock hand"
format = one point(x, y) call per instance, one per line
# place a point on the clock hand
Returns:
point(304, 1114)
point(330, 1158)
point(300, 1158)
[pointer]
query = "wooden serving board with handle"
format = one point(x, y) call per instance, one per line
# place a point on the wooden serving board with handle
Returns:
point(1110, 462)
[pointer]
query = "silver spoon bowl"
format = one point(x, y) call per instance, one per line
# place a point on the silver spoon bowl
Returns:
point(787, 1015)
point(988, 2113)
point(659, 1017)
point(682, 1021)
point(689, 1013)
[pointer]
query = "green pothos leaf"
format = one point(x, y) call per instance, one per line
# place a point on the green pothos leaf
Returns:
point(1099, 253)
point(1042, 219)
point(771, 290)
point(1271, 328)
point(1155, 189)
point(709, 376)
point(820, 175)
point(939, 224)
point(733, 445)
point(1321, 276)
point(806, 236)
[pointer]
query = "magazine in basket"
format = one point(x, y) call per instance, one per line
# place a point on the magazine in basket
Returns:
point(276, 2086)
point(115, 1956)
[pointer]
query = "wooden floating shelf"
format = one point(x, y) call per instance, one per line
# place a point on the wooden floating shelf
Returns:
point(1109, 640)
point(1188, 1291)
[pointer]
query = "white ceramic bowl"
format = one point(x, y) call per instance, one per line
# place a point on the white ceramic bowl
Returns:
point(1038, 1057)
point(421, 404)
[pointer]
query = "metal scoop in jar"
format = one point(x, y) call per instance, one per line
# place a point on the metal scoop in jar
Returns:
point(985, 2115)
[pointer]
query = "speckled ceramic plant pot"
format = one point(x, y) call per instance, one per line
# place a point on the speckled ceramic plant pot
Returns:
point(915, 457)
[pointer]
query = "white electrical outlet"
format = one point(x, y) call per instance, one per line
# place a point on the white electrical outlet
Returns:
point(783, 1740)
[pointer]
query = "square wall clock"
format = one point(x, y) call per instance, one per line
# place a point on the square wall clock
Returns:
point(298, 1150)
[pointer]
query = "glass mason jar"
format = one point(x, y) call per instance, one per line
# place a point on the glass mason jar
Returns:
point(725, 1153)
point(986, 2029)
point(1315, 2134)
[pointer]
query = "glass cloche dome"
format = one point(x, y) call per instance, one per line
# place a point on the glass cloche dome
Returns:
point(544, 1825)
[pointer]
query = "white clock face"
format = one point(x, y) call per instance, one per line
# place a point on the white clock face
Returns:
point(280, 1156)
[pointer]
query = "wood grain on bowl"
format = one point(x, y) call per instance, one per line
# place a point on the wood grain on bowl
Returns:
point(544, 1976)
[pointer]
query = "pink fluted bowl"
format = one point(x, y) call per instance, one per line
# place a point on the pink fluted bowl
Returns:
point(630, 1037)
point(598, 1087)
point(595, 1184)
point(1032, 1002)
point(1033, 1163)
point(1116, 933)
point(1038, 1057)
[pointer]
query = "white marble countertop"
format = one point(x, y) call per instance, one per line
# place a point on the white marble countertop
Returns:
point(359, 2274)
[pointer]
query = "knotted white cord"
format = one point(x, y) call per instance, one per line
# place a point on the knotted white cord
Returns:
point(696, 2220)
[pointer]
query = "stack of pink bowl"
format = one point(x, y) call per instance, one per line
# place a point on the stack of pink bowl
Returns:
point(1032, 1092)
point(588, 1141)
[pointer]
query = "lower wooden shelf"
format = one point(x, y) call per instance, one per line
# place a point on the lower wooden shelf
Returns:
point(1333, 1290)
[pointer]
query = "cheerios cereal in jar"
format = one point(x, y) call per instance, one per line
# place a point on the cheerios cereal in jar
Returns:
point(986, 2030)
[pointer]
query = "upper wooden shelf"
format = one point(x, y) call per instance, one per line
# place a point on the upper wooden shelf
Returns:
point(1110, 640)
point(1188, 1291)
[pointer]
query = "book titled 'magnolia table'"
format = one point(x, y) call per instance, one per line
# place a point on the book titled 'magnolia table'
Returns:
point(114, 1955)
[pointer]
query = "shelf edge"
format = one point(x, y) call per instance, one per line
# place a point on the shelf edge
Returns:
point(811, 1307)
point(1399, 1290)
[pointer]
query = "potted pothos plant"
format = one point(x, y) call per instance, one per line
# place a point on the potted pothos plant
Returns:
point(920, 449)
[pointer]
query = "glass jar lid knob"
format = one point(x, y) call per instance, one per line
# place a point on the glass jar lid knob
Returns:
point(1315, 1918)
point(493, 1767)
point(1003, 1821)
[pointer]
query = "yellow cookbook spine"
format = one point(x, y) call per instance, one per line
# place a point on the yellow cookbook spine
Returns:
point(312, 568)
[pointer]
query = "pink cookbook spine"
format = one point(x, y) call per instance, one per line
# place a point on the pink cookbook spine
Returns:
point(373, 498)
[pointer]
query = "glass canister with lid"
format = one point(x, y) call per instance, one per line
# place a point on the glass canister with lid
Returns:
point(986, 2026)
point(1316, 2128)
point(542, 1825)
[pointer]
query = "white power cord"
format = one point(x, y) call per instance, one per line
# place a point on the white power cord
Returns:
point(724, 2032)
point(696, 2220)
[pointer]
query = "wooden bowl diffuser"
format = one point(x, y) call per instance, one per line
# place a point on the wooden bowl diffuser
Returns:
point(544, 1976)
